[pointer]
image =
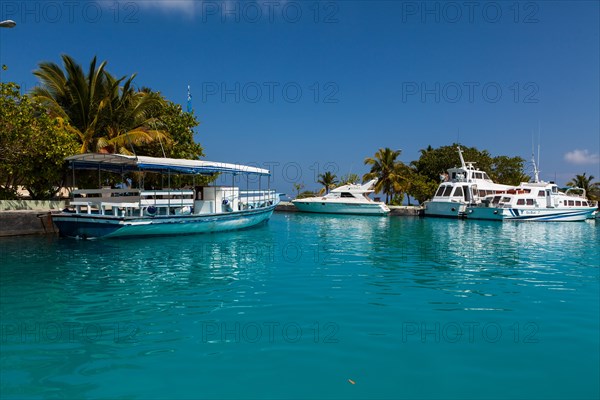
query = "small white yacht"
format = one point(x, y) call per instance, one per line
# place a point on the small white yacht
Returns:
point(535, 201)
point(346, 199)
point(461, 186)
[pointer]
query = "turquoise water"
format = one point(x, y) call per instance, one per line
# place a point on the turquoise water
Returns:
point(298, 307)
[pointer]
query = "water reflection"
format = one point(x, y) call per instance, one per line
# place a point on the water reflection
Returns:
point(126, 306)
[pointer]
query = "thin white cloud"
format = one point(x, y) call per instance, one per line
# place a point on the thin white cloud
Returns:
point(582, 157)
point(219, 8)
point(184, 6)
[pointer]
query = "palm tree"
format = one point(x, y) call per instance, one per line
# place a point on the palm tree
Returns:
point(94, 107)
point(349, 179)
point(298, 187)
point(585, 182)
point(129, 119)
point(389, 172)
point(328, 180)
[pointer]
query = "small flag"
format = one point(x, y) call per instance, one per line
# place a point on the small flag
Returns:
point(189, 101)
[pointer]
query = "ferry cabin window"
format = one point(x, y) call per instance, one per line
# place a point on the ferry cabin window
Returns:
point(346, 194)
point(478, 175)
point(571, 203)
point(485, 176)
point(521, 202)
point(440, 191)
point(530, 202)
point(506, 200)
point(447, 191)
point(458, 192)
point(541, 193)
point(467, 193)
point(578, 203)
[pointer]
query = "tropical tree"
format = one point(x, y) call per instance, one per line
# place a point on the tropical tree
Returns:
point(349, 179)
point(389, 171)
point(298, 187)
point(586, 182)
point(104, 115)
point(33, 146)
point(328, 180)
point(508, 170)
point(180, 125)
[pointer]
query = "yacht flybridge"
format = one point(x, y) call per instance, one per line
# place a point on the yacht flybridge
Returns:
point(461, 186)
point(346, 199)
point(126, 211)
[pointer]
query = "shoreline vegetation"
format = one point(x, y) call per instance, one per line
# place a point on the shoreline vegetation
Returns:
point(74, 111)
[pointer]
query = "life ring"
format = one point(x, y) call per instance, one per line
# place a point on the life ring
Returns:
point(151, 211)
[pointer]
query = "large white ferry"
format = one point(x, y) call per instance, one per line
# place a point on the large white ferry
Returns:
point(535, 201)
point(108, 213)
point(346, 199)
point(462, 186)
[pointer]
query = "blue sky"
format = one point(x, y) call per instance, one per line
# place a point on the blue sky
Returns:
point(302, 86)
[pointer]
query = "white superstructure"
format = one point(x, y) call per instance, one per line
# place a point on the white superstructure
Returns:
point(462, 186)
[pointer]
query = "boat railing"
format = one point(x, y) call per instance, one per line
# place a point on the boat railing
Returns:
point(576, 192)
point(249, 199)
point(136, 202)
point(129, 201)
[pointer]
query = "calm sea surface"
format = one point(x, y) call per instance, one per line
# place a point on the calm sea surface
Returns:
point(307, 306)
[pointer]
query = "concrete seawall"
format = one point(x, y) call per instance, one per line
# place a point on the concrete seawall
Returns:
point(26, 222)
point(404, 211)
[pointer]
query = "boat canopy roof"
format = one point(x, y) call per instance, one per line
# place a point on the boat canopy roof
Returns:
point(124, 163)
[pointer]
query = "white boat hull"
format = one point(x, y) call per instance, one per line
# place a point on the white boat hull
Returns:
point(341, 208)
point(540, 215)
point(94, 226)
point(450, 209)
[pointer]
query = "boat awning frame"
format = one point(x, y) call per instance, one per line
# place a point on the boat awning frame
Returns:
point(123, 163)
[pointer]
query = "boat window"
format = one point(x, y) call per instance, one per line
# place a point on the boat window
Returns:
point(458, 191)
point(554, 189)
point(467, 193)
point(584, 203)
point(440, 191)
point(496, 199)
point(541, 193)
point(521, 202)
point(506, 199)
point(578, 203)
point(453, 175)
point(482, 193)
point(571, 203)
point(485, 176)
point(447, 191)
point(530, 202)
point(346, 194)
